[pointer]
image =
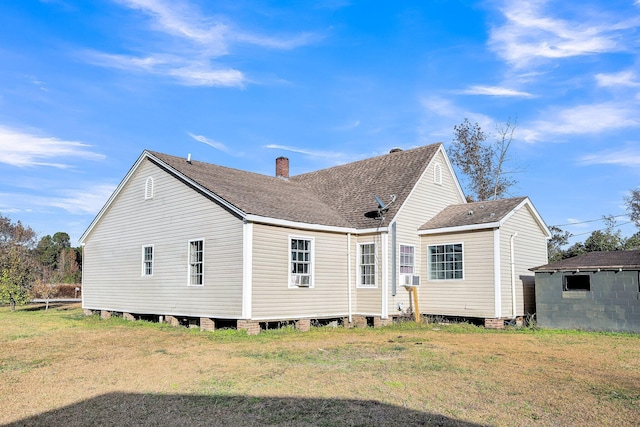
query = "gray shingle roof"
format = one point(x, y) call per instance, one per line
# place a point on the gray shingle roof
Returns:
point(627, 260)
point(338, 196)
point(477, 213)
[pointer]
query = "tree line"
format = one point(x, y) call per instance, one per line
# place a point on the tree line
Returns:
point(488, 175)
point(29, 266)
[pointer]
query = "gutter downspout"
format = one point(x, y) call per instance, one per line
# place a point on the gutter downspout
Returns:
point(349, 274)
point(513, 275)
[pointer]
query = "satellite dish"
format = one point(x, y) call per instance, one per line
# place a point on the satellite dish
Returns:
point(383, 207)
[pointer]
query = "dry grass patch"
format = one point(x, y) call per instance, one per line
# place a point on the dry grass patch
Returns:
point(60, 367)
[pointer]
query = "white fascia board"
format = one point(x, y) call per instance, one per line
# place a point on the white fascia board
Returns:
point(147, 155)
point(415, 184)
point(461, 228)
point(308, 226)
point(536, 216)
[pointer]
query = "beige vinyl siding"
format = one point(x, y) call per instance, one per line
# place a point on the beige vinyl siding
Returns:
point(426, 200)
point(474, 295)
point(369, 299)
point(176, 214)
point(272, 298)
point(530, 250)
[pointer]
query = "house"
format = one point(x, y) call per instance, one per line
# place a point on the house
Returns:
point(195, 242)
point(594, 291)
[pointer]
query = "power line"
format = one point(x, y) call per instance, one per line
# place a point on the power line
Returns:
point(589, 232)
point(590, 220)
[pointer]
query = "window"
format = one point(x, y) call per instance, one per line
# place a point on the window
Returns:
point(148, 189)
point(301, 262)
point(577, 282)
point(196, 262)
point(147, 260)
point(445, 262)
point(367, 261)
point(437, 173)
point(407, 259)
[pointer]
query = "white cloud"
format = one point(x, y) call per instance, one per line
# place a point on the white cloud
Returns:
point(580, 120)
point(79, 201)
point(22, 149)
point(215, 144)
point(312, 153)
point(197, 41)
point(532, 33)
point(494, 91)
point(626, 157)
point(623, 78)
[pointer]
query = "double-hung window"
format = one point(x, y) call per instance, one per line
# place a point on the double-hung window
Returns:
point(367, 265)
point(196, 262)
point(300, 262)
point(147, 260)
point(407, 259)
point(446, 262)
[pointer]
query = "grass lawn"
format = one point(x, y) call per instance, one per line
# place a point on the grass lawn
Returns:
point(62, 368)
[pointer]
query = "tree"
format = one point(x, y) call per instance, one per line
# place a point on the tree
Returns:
point(16, 263)
point(608, 239)
point(633, 205)
point(483, 163)
point(558, 239)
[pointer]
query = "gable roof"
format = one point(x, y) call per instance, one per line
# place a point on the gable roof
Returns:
point(605, 260)
point(336, 197)
point(479, 215)
point(350, 188)
point(256, 194)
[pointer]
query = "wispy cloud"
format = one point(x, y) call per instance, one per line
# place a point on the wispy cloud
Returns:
point(623, 78)
point(580, 120)
point(23, 149)
point(348, 126)
point(629, 156)
point(192, 55)
point(494, 91)
point(331, 155)
point(87, 200)
point(215, 144)
point(532, 32)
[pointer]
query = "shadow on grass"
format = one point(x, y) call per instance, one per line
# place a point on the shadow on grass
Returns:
point(129, 409)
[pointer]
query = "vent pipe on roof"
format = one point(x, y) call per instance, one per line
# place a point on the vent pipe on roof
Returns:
point(282, 167)
point(189, 158)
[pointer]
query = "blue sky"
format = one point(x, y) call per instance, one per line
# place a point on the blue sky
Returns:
point(85, 87)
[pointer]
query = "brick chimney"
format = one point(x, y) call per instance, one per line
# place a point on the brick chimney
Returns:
point(282, 167)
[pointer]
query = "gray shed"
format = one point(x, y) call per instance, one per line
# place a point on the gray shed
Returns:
point(595, 291)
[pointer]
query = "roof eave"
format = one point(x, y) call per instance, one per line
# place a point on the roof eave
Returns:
point(460, 228)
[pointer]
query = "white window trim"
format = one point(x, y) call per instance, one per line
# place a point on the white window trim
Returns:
point(359, 265)
point(437, 173)
point(400, 258)
point(429, 262)
point(312, 263)
point(148, 188)
point(189, 262)
point(152, 260)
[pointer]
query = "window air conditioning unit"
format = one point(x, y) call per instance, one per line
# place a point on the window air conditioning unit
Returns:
point(301, 281)
point(409, 280)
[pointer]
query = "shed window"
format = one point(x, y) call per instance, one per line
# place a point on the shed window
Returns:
point(445, 262)
point(196, 262)
point(577, 282)
point(148, 188)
